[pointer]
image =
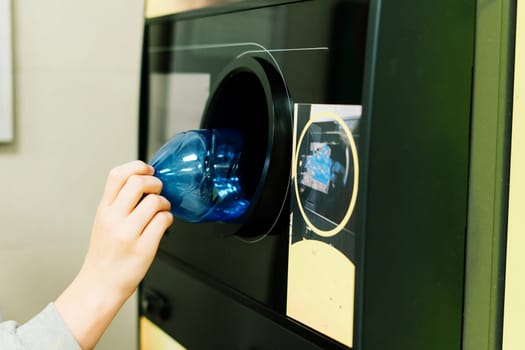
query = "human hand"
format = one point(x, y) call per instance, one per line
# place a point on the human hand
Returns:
point(130, 221)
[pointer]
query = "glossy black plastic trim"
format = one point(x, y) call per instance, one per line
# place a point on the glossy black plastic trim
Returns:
point(251, 97)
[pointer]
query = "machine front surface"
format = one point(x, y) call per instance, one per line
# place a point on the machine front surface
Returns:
point(288, 76)
point(356, 117)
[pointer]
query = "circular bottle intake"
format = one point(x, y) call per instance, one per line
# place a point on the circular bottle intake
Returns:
point(251, 97)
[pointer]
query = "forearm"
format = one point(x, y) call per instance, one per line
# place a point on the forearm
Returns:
point(131, 219)
point(88, 308)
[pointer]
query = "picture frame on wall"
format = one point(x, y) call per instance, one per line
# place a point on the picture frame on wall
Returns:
point(6, 73)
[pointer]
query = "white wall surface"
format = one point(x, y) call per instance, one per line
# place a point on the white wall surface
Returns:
point(76, 80)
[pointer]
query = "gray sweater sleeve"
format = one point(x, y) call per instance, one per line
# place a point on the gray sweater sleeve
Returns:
point(46, 330)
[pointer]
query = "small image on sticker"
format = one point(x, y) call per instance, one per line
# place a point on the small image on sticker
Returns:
point(326, 165)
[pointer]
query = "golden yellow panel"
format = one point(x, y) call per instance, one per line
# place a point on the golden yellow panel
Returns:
point(154, 338)
point(321, 286)
point(514, 314)
point(157, 8)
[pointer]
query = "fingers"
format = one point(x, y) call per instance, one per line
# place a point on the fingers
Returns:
point(119, 176)
point(154, 231)
point(133, 191)
point(145, 212)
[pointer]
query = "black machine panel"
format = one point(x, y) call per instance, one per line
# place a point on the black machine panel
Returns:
point(210, 62)
point(296, 78)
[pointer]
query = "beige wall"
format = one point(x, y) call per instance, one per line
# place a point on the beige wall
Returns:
point(76, 99)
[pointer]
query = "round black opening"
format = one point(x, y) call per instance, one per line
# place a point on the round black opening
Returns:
point(251, 97)
point(240, 104)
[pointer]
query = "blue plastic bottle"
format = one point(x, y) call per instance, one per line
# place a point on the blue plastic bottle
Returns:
point(199, 172)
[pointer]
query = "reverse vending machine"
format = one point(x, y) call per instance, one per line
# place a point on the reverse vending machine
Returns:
point(366, 134)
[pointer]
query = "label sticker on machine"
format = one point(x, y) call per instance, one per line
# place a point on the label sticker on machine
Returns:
point(322, 247)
